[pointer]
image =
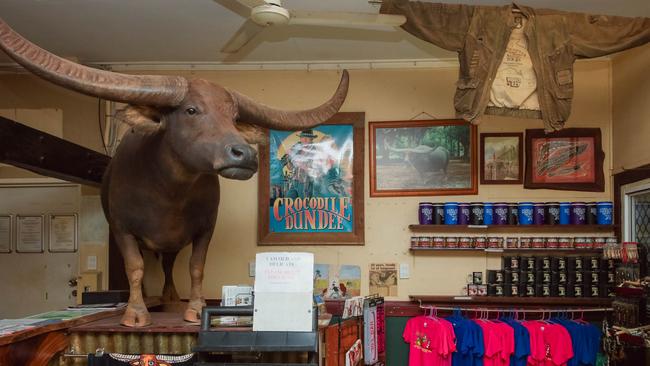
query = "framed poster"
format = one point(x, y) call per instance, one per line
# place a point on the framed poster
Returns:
point(502, 158)
point(423, 158)
point(311, 184)
point(63, 233)
point(569, 159)
point(30, 233)
point(6, 234)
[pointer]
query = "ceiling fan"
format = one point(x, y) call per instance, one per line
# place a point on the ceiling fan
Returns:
point(264, 13)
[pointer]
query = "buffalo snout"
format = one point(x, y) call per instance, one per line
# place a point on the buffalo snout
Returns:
point(240, 162)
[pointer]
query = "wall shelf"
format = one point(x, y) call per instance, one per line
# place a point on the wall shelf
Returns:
point(511, 251)
point(477, 229)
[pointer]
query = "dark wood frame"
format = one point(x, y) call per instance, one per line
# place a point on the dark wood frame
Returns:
point(625, 177)
point(356, 237)
point(597, 186)
point(374, 192)
point(521, 158)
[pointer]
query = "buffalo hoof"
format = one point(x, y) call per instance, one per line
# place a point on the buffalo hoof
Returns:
point(136, 316)
point(193, 311)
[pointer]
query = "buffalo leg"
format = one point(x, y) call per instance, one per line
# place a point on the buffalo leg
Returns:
point(136, 314)
point(169, 294)
point(197, 263)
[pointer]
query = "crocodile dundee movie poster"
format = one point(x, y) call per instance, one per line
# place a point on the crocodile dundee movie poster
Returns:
point(311, 180)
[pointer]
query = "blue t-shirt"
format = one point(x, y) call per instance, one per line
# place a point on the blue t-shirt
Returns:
point(585, 339)
point(469, 342)
point(522, 343)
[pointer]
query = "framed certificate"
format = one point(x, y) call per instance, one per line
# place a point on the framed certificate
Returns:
point(30, 233)
point(6, 234)
point(63, 233)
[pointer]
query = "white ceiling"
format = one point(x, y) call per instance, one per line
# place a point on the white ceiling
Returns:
point(193, 31)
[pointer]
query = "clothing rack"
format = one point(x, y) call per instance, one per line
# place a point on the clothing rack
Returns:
point(510, 310)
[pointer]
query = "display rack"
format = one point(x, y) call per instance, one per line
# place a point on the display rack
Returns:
point(476, 229)
point(514, 301)
point(246, 341)
point(513, 251)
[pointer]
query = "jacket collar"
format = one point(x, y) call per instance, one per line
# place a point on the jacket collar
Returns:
point(526, 11)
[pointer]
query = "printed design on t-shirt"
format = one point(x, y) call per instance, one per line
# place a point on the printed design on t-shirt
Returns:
point(422, 342)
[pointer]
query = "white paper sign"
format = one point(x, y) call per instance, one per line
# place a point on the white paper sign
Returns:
point(5, 234)
point(29, 236)
point(283, 292)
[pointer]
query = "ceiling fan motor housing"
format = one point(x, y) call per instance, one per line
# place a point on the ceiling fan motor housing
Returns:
point(271, 13)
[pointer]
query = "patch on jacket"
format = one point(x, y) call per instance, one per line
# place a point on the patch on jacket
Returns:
point(564, 77)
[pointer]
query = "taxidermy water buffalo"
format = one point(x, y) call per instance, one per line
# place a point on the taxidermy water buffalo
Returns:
point(161, 189)
point(426, 160)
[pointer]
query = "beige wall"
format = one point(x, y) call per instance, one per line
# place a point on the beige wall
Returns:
point(631, 108)
point(382, 95)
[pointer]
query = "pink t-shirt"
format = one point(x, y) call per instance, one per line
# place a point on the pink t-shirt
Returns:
point(431, 341)
point(498, 342)
point(550, 344)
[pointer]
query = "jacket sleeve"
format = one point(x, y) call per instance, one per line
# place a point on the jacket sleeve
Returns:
point(444, 25)
point(599, 35)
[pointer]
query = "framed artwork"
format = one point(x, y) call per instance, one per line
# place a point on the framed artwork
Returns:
point(6, 233)
point(63, 233)
point(311, 184)
point(30, 233)
point(570, 159)
point(502, 158)
point(423, 158)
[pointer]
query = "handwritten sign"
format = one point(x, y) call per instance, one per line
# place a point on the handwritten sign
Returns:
point(283, 292)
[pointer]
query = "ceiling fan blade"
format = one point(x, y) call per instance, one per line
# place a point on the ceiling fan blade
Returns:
point(251, 3)
point(342, 19)
point(236, 7)
point(244, 34)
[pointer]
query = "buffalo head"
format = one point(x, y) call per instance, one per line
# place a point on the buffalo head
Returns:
point(207, 127)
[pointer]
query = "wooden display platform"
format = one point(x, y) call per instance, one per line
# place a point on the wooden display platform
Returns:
point(161, 323)
point(476, 229)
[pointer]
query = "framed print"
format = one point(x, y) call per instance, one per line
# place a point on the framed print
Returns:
point(63, 233)
point(30, 233)
point(502, 158)
point(570, 159)
point(423, 158)
point(311, 184)
point(6, 234)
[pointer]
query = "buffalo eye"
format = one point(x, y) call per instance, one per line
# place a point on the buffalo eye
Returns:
point(191, 111)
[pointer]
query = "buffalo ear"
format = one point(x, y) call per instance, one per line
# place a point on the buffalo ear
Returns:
point(140, 117)
point(253, 134)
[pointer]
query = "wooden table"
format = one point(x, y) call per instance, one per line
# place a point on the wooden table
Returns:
point(37, 346)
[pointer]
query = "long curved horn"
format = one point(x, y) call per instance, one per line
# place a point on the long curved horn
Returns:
point(259, 114)
point(150, 90)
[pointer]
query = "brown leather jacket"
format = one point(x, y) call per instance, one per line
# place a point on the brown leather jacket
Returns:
point(480, 35)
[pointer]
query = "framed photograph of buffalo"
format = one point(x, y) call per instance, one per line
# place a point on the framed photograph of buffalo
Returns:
point(423, 158)
point(502, 158)
point(570, 159)
point(311, 184)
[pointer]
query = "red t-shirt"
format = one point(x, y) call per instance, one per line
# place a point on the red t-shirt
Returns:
point(432, 341)
point(498, 341)
point(550, 344)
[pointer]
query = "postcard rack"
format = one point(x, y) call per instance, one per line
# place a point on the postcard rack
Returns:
point(247, 341)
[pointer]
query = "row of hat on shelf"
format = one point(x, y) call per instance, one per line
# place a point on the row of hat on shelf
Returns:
point(516, 213)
